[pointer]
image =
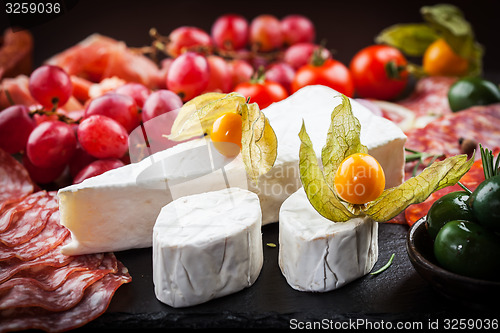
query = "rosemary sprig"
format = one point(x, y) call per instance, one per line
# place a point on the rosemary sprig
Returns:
point(383, 268)
point(491, 167)
point(420, 157)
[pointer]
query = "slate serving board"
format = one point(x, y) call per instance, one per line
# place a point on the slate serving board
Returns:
point(398, 294)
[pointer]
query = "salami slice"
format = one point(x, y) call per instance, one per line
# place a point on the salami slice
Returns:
point(49, 277)
point(27, 293)
point(30, 222)
point(445, 135)
point(429, 100)
point(95, 301)
point(14, 209)
point(14, 180)
point(51, 236)
point(53, 258)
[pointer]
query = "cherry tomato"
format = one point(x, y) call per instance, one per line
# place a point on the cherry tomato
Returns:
point(379, 72)
point(330, 72)
point(262, 92)
point(440, 60)
point(359, 179)
point(226, 134)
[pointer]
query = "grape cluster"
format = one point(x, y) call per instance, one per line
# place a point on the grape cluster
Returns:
point(50, 141)
point(236, 51)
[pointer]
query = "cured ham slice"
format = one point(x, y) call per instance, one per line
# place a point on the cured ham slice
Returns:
point(98, 57)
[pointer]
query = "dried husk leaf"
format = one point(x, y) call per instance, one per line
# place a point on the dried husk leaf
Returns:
point(259, 144)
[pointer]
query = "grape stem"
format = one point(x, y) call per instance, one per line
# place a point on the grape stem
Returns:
point(9, 97)
point(60, 117)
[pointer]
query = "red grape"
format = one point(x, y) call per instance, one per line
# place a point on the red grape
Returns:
point(42, 175)
point(121, 108)
point(230, 32)
point(265, 33)
point(103, 137)
point(241, 71)
point(187, 38)
point(15, 128)
point(96, 168)
point(137, 91)
point(297, 29)
point(300, 54)
point(51, 144)
point(282, 73)
point(160, 102)
point(79, 160)
point(188, 75)
point(50, 85)
point(220, 75)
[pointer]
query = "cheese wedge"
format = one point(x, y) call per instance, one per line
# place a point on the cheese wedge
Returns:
point(117, 210)
point(318, 255)
point(206, 246)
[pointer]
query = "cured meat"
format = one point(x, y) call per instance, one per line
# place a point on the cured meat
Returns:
point(427, 102)
point(26, 293)
point(444, 135)
point(49, 277)
point(39, 286)
point(14, 180)
point(51, 236)
point(99, 57)
point(24, 226)
point(16, 53)
point(95, 301)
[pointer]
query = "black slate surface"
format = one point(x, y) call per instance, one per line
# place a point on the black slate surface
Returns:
point(397, 295)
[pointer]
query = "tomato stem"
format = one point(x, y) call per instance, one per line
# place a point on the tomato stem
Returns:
point(317, 58)
point(393, 70)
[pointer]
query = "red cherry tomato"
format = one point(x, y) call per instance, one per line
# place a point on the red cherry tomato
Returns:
point(379, 72)
point(262, 92)
point(330, 72)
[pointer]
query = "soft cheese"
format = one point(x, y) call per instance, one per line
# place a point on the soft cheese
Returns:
point(206, 246)
point(117, 210)
point(318, 255)
point(314, 105)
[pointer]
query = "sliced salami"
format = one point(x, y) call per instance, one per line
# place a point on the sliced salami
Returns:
point(30, 222)
point(446, 135)
point(95, 301)
point(14, 180)
point(51, 236)
point(13, 210)
point(27, 293)
point(49, 277)
point(53, 258)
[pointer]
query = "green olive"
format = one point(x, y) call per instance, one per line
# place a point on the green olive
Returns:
point(472, 91)
point(451, 206)
point(466, 248)
point(485, 203)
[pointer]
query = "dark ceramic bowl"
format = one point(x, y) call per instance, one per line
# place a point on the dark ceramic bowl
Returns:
point(454, 286)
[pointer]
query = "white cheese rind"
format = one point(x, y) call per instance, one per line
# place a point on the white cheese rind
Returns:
point(318, 255)
point(207, 246)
